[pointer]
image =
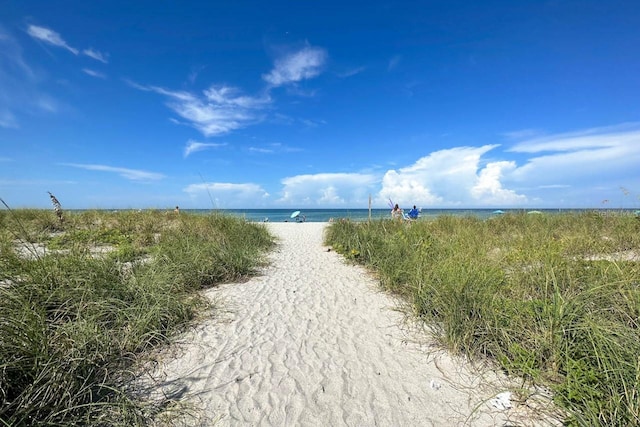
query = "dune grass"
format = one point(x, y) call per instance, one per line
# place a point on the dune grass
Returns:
point(74, 322)
point(554, 299)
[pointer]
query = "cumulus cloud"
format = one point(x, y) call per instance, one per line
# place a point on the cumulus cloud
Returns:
point(195, 146)
point(226, 195)
point(451, 177)
point(218, 110)
point(50, 37)
point(327, 189)
point(301, 65)
point(130, 174)
point(541, 170)
point(488, 188)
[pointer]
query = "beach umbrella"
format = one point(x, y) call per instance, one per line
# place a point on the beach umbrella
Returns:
point(498, 211)
point(534, 212)
point(295, 214)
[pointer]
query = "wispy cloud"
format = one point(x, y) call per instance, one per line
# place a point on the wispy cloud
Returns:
point(219, 110)
point(50, 37)
point(275, 147)
point(19, 84)
point(351, 72)
point(195, 146)
point(261, 150)
point(130, 174)
point(522, 134)
point(94, 73)
point(601, 154)
point(393, 62)
point(8, 119)
point(301, 65)
point(53, 38)
point(34, 182)
point(313, 123)
point(603, 137)
point(98, 56)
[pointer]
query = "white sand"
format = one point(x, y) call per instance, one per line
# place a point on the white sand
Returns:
point(313, 342)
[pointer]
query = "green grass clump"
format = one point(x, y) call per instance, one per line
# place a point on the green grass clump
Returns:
point(74, 324)
point(550, 297)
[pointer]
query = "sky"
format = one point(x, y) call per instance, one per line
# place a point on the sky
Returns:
point(320, 104)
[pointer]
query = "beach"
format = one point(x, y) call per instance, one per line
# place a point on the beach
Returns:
point(312, 341)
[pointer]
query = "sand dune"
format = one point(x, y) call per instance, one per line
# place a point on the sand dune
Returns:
point(313, 342)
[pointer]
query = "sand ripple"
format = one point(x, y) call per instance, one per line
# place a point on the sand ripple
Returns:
point(313, 342)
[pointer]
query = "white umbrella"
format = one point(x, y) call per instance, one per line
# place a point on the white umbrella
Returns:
point(295, 214)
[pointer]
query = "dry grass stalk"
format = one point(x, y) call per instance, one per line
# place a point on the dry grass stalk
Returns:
point(57, 207)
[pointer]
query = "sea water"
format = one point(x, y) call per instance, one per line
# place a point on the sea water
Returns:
point(327, 215)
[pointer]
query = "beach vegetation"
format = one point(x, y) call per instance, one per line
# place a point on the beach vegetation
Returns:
point(553, 299)
point(83, 299)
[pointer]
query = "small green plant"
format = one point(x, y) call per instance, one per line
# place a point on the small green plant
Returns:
point(74, 323)
point(551, 298)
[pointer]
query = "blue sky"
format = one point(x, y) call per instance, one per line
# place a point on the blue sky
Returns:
point(319, 104)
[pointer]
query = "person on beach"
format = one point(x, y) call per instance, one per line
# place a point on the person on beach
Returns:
point(396, 212)
point(177, 210)
point(413, 213)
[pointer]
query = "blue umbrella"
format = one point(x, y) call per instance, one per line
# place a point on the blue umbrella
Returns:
point(498, 212)
point(295, 214)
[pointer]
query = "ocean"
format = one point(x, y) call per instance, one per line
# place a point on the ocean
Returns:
point(326, 215)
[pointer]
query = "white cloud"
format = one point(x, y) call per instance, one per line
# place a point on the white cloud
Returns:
point(351, 72)
point(220, 110)
point(94, 73)
point(275, 147)
point(49, 36)
point(195, 146)
point(489, 189)
point(565, 159)
point(261, 150)
point(301, 65)
point(595, 138)
point(19, 85)
point(570, 169)
point(451, 177)
point(327, 189)
point(230, 96)
point(224, 195)
point(8, 119)
point(130, 174)
point(393, 62)
point(98, 56)
point(522, 134)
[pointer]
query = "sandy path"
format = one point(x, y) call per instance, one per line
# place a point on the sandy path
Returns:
point(312, 342)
